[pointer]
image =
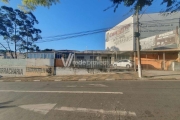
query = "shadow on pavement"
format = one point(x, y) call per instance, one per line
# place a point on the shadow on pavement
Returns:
point(5, 104)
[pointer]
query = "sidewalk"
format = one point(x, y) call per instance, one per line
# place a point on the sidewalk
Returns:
point(147, 75)
point(157, 74)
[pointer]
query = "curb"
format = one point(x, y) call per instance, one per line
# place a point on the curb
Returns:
point(107, 79)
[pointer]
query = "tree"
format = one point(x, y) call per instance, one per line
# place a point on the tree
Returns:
point(171, 5)
point(18, 27)
point(47, 49)
point(32, 4)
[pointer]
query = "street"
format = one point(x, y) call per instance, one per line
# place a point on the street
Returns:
point(88, 100)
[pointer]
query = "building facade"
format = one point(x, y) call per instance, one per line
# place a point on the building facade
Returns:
point(121, 37)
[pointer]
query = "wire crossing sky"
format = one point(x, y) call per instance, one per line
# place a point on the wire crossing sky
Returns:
point(79, 25)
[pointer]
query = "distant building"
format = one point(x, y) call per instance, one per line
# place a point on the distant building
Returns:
point(54, 54)
point(7, 55)
point(121, 37)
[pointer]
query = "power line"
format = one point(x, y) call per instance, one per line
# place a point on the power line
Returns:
point(110, 28)
point(158, 23)
point(72, 35)
point(161, 20)
point(68, 37)
point(96, 30)
point(143, 12)
point(76, 33)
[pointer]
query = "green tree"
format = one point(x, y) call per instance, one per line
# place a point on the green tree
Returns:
point(171, 5)
point(47, 49)
point(18, 27)
point(32, 4)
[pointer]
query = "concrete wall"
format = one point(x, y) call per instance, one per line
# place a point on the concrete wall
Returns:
point(176, 66)
point(39, 71)
point(12, 62)
point(40, 62)
point(74, 71)
point(12, 67)
point(26, 67)
point(14, 71)
point(39, 67)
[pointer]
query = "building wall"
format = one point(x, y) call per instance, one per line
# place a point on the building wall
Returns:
point(167, 40)
point(75, 71)
point(41, 55)
point(12, 67)
point(26, 67)
point(157, 23)
point(175, 66)
point(121, 37)
point(7, 55)
point(151, 61)
point(59, 63)
point(40, 62)
point(39, 70)
point(39, 67)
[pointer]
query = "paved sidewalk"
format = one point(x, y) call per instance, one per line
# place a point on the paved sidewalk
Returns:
point(147, 75)
point(157, 74)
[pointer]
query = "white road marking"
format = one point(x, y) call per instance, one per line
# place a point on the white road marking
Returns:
point(99, 85)
point(17, 80)
point(76, 92)
point(39, 108)
point(113, 112)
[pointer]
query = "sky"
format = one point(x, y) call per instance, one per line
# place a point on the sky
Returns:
point(73, 16)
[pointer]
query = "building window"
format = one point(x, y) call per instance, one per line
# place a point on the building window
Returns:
point(35, 55)
point(42, 56)
point(45, 56)
point(104, 58)
point(49, 55)
point(29, 55)
point(58, 55)
point(52, 56)
point(64, 56)
point(80, 57)
point(38, 55)
point(93, 57)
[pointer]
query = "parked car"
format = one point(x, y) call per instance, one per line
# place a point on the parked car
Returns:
point(124, 63)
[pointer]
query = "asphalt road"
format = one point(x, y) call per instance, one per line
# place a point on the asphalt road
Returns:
point(103, 100)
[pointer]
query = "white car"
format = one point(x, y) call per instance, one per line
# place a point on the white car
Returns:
point(124, 63)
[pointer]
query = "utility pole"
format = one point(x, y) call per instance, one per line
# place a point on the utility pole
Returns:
point(179, 35)
point(138, 46)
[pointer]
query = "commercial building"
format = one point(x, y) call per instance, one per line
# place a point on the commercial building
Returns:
point(159, 39)
point(121, 37)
